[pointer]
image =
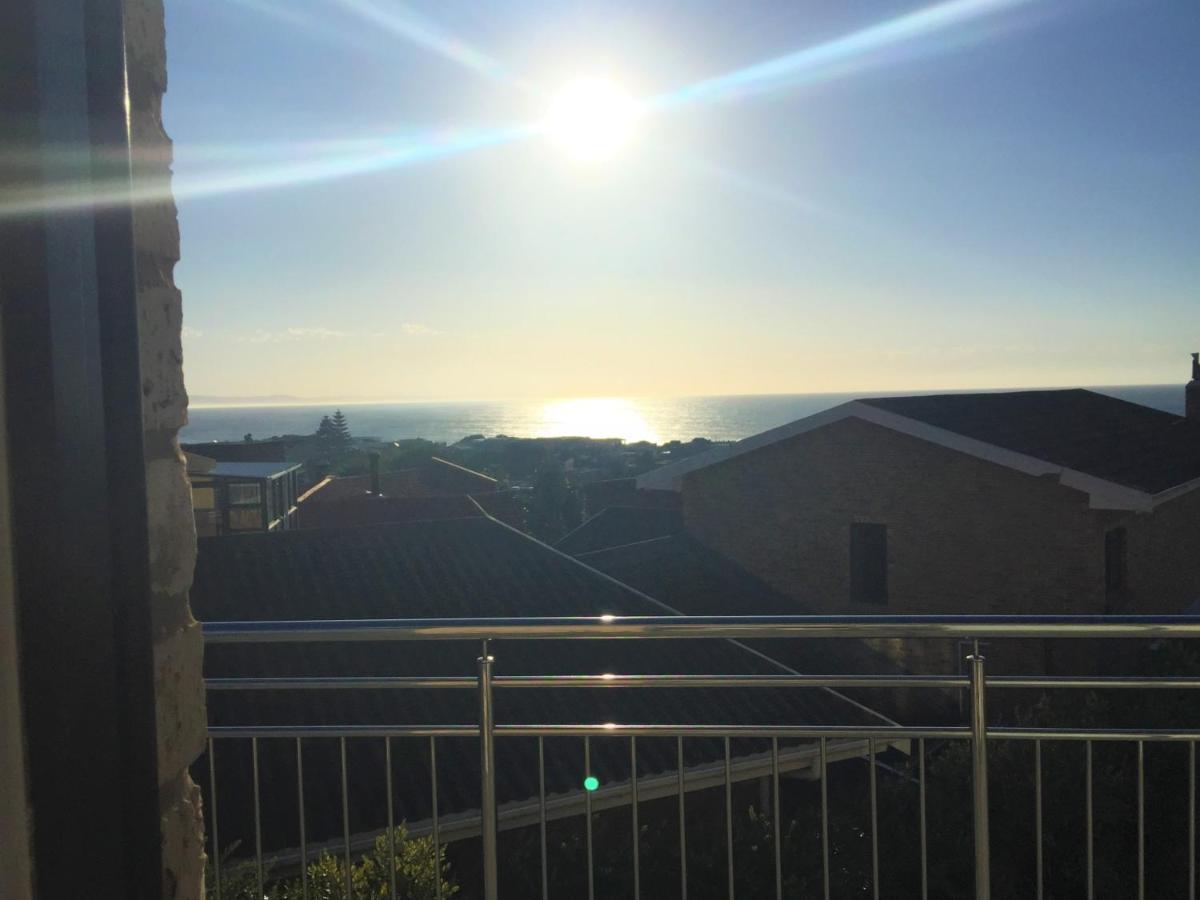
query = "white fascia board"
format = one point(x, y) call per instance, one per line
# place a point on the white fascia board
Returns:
point(1102, 494)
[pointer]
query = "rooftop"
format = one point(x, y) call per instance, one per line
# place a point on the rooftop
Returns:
point(1118, 441)
point(251, 469)
point(1124, 455)
point(458, 568)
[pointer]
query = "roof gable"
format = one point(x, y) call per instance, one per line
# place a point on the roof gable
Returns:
point(1123, 455)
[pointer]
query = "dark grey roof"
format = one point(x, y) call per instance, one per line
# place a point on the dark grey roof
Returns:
point(1115, 440)
point(469, 567)
point(697, 581)
point(621, 525)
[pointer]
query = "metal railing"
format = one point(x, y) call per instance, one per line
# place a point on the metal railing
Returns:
point(830, 741)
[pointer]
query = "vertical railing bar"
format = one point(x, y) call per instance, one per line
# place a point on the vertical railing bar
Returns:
point(303, 824)
point(258, 857)
point(1091, 844)
point(587, 812)
point(1191, 820)
point(775, 814)
point(729, 819)
point(391, 822)
point(633, 806)
point(487, 772)
point(825, 816)
point(212, 791)
point(979, 776)
point(346, 820)
point(924, 832)
point(1141, 818)
point(1037, 812)
point(437, 833)
point(875, 821)
point(542, 814)
point(682, 822)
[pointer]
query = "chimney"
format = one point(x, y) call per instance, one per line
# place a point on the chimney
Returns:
point(1192, 393)
point(373, 458)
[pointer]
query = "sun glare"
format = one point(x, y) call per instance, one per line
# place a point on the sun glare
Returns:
point(591, 119)
point(595, 417)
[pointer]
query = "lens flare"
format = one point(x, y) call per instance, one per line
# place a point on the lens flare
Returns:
point(838, 57)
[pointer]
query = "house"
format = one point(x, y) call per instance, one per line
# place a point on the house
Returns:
point(458, 568)
point(1060, 501)
point(274, 450)
point(236, 497)
point(439, 489)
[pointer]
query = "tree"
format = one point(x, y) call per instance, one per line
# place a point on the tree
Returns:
point(554, 507)
point(332, 437)
point(341, 427)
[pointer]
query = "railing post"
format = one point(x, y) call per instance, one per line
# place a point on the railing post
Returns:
point(487, 773)
point(979, 777)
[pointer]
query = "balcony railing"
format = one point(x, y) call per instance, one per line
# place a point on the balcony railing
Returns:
point(824, 742)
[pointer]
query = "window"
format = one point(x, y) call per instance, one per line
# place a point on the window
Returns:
point(1114, 560)
point(868, 563)
point(244, 494)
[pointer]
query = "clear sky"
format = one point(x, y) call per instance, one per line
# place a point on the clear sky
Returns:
point(812, 196)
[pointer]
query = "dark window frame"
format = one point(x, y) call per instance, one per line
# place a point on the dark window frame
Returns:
point(76, 462)
point(1116, 561)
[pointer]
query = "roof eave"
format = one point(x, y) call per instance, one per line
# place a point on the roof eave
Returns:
point(1102, 494)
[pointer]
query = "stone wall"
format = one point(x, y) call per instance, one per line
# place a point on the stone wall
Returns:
point(178, 649)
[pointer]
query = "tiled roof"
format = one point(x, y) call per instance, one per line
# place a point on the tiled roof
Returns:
point(372, 509)
point(467, 567)
point(1115, 440)
point(621, 525)
point(689, 577)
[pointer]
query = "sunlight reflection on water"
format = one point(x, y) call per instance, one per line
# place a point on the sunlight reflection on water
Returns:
point(595, 417)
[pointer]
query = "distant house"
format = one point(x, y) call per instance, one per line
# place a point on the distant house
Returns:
point(240, 451)
point(1028, 502)
point(234, 497)
point(438, 490)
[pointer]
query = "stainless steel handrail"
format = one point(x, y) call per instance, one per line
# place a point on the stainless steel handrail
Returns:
point(978, 733)
point(694, 627)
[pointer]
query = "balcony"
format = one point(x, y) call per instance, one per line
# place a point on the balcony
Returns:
point(683, 806)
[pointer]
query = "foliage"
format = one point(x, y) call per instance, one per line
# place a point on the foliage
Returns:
point(416, 873)
point(554, 506)
point(332, 437)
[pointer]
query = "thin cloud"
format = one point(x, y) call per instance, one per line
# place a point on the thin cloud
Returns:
point(416, 328)
point(188, 332)
point(289, 335)
point(318, 333)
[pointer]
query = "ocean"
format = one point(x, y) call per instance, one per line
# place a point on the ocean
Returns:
point(659, 420)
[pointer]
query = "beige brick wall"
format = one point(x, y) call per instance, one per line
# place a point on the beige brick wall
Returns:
point(1163, 572)
point(178, 648)
point(964, 535)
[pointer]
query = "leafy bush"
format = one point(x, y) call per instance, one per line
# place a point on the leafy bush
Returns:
point(417, 871)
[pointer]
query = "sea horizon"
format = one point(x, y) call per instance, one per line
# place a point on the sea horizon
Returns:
point(722, 417)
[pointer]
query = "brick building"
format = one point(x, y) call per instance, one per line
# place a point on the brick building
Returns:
point(1027, 502)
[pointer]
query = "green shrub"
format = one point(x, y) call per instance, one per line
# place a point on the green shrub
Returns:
point(417, 871)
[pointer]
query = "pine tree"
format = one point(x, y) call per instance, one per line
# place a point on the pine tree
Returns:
point(343, 430)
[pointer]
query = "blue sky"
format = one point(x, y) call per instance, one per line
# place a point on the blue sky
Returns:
point(984, 193)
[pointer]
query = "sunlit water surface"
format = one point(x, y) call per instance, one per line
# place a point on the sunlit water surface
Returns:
point(630, 418)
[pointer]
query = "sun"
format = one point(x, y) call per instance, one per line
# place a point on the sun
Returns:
point(591, 119)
